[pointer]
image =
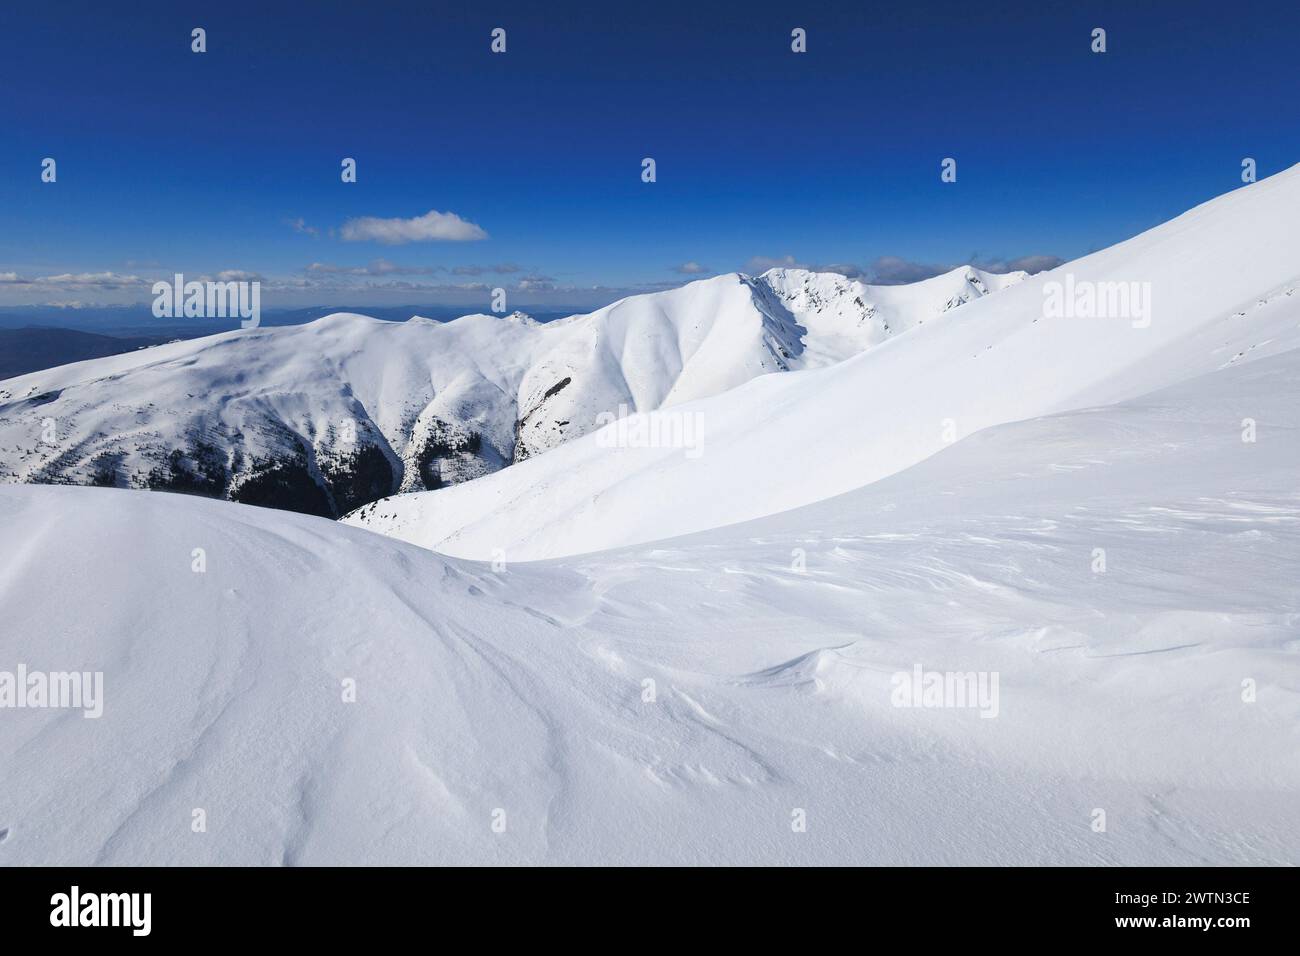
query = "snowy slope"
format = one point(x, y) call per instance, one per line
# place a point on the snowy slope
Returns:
point(324, 417)
point(521, 691)
point(1223, 283)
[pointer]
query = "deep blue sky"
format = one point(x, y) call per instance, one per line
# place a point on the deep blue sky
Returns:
point(172, 161)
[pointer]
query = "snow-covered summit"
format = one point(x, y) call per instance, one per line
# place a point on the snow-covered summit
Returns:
point(845, 316)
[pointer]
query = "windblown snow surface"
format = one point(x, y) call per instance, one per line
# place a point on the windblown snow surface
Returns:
point(1114, 537)
point(522, 689)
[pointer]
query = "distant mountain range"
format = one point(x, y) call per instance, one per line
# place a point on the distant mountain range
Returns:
point(34, 348)
point(326, 416)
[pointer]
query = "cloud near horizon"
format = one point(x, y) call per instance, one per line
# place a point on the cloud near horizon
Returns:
point(895, 270)
point(234, 275)
point(377, 267)
point(1030, 264)
point(78, 280)
point(433, 226)
point(504, 268)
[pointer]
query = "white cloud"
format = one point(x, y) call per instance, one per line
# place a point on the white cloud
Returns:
point(300, 225)
point(92, 280)
point(760, 264)
point(536, 283)
point(691, 268)
point(1031, 264)
point(504, 268)
point(432, 226)
point(377, 267)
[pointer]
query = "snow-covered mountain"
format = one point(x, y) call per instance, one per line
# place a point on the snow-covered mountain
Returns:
point(325, 417)
point(1093, 519)
point(1218, 285)
point(688, 701)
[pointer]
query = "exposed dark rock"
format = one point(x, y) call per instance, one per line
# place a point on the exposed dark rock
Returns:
point(522, 451)
point(557, 387)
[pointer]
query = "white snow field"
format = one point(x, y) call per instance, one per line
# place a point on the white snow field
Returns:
point(1216, 286)
point(517, 696)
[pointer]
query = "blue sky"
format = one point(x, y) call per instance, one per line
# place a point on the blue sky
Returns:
point(171, 161)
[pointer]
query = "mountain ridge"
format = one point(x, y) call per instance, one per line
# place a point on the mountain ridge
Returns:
point(329, 415)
